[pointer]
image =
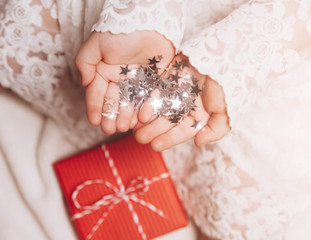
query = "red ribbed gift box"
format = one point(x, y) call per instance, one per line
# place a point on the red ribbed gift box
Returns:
point(120, 191)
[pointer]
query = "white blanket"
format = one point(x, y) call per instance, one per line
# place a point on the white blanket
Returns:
point(31, 202)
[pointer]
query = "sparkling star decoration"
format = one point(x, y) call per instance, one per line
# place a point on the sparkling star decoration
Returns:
point(195, 89)
point(175, 77)
point(183, 95)
point(175, 119)
point(124, 70)
point(166, 83)
point(124, 104)
point(187, 76)
point(177, 66)
point(184, 63)
point(195, 124)
point(137, 89)
point(176, 103)
point(157, 105)
point(134, 71)
point(153, 61)
point(112, 111)
point(112, 115)
point(194, 80)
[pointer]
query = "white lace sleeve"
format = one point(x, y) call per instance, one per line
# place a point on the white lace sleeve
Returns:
point(125, 16)
point(259, 39)
point(36, 62)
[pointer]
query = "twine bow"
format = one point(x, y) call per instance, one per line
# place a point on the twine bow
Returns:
point(137, 186)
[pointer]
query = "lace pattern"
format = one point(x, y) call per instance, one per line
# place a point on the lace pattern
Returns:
point(227, 203)
point(257, 39)
point(124, 16)
point(33, 64)
point(201, 13)
point(258, 177)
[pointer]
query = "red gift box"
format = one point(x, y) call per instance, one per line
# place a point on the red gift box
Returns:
point(120, 191)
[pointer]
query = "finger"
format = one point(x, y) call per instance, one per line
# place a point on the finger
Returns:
point(87, 58)
point(200, 113)
point(178, 134)
point(128, 114)
point(134, 121)
point(217, 127)
point(213, 97)
point(184, 131)
point(109, 72)
point(148, 132)
point(137, 126)
point(124, 119)
point(95, 93)
point(110, 109)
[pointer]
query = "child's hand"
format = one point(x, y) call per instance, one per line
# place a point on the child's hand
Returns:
point(207, 123)
point(99, 61)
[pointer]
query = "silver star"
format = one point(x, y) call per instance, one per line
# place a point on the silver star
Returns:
point(125, 70)
point(175, 77)
point(177, 65)
point(110, 116)
point(153, 61)
point(124, 104)
point(184, 62)
point(176, 103)
point(187, 76)
point(175, 118)
point(134, 72)
point(111, 113)
point(195, 89)
point(156, 104)
point(183, 95)
point(166, 83)
point(195, 124)
point(140, 74)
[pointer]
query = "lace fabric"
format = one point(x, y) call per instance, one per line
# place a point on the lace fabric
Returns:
point(34, 65)
point(258, 39)
point(201, 14)
point(260, 54)
point(124, 16)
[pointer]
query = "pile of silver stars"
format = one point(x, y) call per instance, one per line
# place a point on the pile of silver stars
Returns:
point(177, 93)
point(138, 84)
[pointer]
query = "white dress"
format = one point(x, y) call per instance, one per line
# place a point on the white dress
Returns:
point(253, 184)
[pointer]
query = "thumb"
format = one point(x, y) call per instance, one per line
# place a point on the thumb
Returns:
point(88, 57)
point(213, 97)
point(217, 127)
